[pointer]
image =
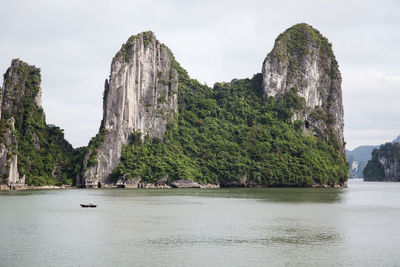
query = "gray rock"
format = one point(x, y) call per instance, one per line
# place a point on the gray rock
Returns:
point(162, 181)
point(14, 87)
point(8, 157)
point(13, 90)
point(141, 95)
point(391, 167)
point(303, 59)
point(185, 184)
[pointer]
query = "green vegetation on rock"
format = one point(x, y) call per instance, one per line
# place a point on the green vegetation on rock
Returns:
point(229, 135)
point(232, 134)
point(44, 156)
point(299, 40)
point(386, 157)
point(93, 146)
point(125, 51)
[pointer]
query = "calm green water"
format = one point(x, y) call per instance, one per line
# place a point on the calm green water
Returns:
point(354, 226)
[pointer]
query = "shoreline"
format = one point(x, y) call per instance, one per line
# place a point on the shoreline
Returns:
point(17, 187)
point(185, 185)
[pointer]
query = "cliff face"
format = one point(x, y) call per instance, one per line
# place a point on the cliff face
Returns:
point(19, 85)
point(303, 59)
point(8, 155)
point(385, 164)
point(30, 151)
point(140, 96)
point(20, 80)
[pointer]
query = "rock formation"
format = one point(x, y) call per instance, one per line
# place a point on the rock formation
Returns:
point(303, 59)
point(8, 155)
point(385, 164)
point(30, 151)
point(359, 157)
point(224, 135)
point(140, 96)
point(17, 82)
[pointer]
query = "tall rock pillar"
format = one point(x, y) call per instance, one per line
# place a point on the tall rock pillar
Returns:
point(141, 95)
point(303, 59)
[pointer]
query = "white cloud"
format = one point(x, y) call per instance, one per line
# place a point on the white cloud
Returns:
point(371, 100)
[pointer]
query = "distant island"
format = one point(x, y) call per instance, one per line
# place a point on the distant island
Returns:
point(385, 164)
point(359, 157)
point(161, 128)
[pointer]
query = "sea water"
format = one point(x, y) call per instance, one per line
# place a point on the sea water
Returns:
point(354, 226)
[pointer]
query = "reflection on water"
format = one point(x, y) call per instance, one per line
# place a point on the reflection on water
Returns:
point(289, 236)
point(211, 227)
point(312, 195)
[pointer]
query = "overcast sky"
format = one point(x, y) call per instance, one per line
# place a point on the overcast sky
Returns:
point(74, 41)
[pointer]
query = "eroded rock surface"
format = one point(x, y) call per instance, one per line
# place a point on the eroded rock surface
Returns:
point(30, 150)
point(303, 59)
point(17, 85)
point(8, 156)
point(140, 96)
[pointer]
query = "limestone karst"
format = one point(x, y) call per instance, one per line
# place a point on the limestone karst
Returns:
point(30, 151)
point(141, 95)
point(282, 127)
point(303, 59)
point(384, 164)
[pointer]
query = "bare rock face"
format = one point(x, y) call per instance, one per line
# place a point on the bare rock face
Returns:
point(141, 95)
point(303, 59)
point(8, 156)
point(185, 184)
point(391, 168)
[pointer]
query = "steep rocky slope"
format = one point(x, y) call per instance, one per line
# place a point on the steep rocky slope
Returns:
point(141, 95)
point(384, 164)
point(30, 151)
point(8, 155)
point(303, 59)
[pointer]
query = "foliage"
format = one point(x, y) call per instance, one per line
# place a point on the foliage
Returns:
point(93, 146)
point(44, 156)
point(229, 135)
point(126, 49)
point(374, 171)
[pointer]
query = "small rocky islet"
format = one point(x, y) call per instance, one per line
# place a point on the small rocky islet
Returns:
point(376, 163)
point(161, 128)
point(384, 164)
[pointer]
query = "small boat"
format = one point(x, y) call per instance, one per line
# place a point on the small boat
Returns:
point(90, 205)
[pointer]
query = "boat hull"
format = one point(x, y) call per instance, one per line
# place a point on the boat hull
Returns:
point(88, 206)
